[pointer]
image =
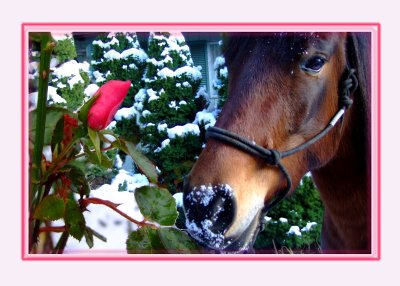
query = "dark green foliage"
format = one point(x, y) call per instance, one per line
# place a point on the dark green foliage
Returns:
point(74, 97)
point(79, 77)
point(97, 174)
point(156, 205)
point(128, 129)
point(176, 241)
point(169, 100)
point(176, 160)
point(50, 208)
point(74, 219)
point(300, 208)
point(65, 50)
point(124, 68)
point(144, 241)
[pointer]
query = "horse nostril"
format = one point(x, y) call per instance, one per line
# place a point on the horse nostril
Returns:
point(210, 208)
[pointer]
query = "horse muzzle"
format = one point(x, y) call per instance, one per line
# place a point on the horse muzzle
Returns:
point(210, 212)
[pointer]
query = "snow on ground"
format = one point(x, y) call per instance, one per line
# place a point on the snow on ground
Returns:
point(106, 221)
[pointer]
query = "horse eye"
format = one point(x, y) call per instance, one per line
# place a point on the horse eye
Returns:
point(314, 64)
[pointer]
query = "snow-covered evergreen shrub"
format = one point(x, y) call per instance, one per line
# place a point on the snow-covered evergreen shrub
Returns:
point(119, 56)
point(168, 107)
point(71, 79)
point(68, 78)
point(295, 224)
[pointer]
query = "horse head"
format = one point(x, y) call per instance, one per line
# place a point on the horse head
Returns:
point(284, 88)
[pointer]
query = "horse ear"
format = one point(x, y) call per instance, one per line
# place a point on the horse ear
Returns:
point(358, 54)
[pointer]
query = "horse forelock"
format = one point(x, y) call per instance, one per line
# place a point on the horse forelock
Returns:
point(283, 45)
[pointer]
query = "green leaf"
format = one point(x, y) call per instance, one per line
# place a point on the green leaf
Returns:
point(156, 205)
point(88, 233)
point(74, 220)
point(143, 163)
point(51, 207)
point(78, 179)
point(53, 116)
point(94, 136)
point(177, 241)
point(92, 157)
point(84, 110)
point(144, 241)
point(79, 133)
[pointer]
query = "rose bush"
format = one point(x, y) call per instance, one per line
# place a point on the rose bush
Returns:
point(59, 188)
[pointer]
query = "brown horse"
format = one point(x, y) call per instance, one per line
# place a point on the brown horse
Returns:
point(284, 89)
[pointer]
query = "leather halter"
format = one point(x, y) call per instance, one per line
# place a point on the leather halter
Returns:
point(272, 156)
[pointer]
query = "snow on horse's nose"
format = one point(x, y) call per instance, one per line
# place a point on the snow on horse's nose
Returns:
point(210, 211)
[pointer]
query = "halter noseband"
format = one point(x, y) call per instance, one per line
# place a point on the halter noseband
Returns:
point(273, 157)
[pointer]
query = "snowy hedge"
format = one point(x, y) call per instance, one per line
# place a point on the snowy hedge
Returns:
point(168, 107)
point(295, 224)
point(119, 56)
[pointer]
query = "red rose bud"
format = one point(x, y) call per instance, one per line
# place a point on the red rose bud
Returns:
point(111, 96)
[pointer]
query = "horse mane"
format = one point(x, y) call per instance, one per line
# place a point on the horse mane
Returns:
point(239, 45)
point(236, 45)
point(358, 56)
point(358, 47)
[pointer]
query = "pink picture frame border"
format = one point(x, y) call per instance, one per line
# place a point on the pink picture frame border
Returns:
point(374, 28)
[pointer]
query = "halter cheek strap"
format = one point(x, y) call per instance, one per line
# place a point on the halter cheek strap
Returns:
point(273, 157)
